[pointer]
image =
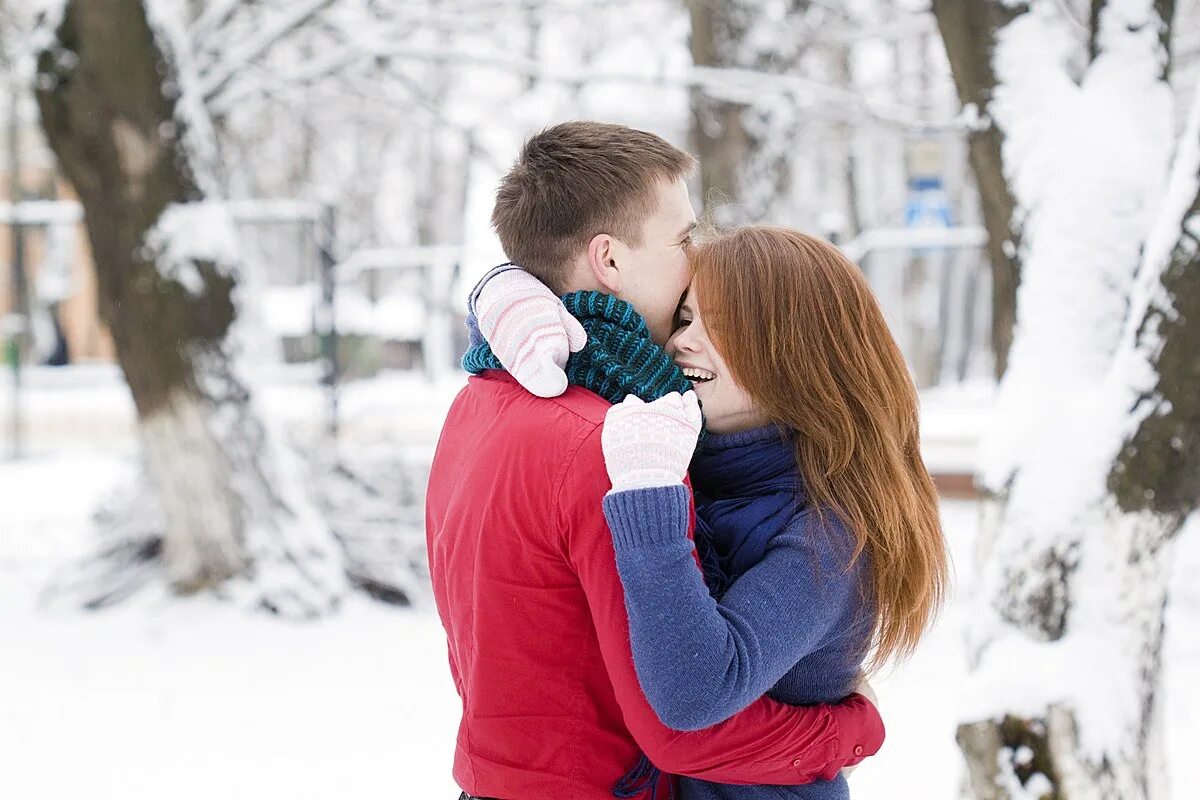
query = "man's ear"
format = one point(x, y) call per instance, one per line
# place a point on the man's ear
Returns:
point(601, 252)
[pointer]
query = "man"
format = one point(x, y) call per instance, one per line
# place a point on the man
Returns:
point(520, 554)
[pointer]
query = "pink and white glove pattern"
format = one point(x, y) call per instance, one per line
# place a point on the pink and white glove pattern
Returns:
point(650, 444)
point(529, 329)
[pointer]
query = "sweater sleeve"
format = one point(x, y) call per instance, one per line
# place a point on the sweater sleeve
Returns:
point(767, 742)
point(701, 661)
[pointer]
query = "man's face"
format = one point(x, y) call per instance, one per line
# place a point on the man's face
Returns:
point(655, 275)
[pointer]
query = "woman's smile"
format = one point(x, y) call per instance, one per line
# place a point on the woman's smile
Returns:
point(696, 375)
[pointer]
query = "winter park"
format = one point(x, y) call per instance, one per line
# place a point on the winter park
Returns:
point(576, 398)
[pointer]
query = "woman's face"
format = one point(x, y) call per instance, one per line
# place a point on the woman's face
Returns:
point(727, 406)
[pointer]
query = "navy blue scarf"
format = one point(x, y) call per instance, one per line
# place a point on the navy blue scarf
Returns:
point(747, 488)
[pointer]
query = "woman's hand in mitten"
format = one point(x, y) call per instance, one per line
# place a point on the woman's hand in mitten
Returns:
point(650, 444)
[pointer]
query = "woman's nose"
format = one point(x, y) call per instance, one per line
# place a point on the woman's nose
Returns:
point(681, 343)
point(672, 347)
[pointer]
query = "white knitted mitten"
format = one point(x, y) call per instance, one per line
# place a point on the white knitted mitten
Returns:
point(529, 330)
point(650, 444)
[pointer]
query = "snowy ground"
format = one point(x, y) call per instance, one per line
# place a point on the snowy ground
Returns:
point(191, 699)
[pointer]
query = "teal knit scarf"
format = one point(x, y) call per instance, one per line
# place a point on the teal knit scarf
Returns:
point(619, 359)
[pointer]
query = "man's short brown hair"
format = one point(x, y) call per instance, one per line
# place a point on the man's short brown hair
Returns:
point(575, 180)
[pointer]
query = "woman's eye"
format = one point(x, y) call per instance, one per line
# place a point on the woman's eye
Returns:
point(683, 323)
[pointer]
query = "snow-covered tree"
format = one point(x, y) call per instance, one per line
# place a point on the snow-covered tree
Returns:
point(121, 108)
point(1093, 463)
point(371, 106)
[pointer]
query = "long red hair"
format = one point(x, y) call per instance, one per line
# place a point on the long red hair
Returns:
point(801, 331)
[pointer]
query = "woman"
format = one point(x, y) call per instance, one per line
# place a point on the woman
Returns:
point(818, 515)
point(817, 522)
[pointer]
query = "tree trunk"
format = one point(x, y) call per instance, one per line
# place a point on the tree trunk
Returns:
point(119, 110)
point(968, 29)
point(1101, 737)
point(1156, 470)
point(842, 147)
point(744, 150)
point(1076, 558)
point(718, 137)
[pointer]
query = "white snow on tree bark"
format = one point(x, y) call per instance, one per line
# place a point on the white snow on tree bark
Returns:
point(1087, 164)
point(185, 461)
point(49, 15)
point(1133, 369)
point(187, 234)
point(182, 84)
point(294, 564)
point(43, 37)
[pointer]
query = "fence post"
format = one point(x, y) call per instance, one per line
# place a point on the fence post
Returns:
point(18, 317)
point(327, 321)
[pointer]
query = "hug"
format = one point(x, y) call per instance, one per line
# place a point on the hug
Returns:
point(679, 515)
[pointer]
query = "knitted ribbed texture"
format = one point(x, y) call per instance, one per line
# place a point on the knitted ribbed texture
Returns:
point(662, 516)
point(620, 358)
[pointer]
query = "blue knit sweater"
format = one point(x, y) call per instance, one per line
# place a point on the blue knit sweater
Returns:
point(792, 623)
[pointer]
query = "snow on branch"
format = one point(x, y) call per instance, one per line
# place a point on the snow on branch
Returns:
point(210, 22)
point(49, 16)
point(248, 51)
point(1171, 223)
point(1088, 157)
point(180, 85)
point(1154, 371)
point(51, 11)
point(188, 235)
point(736, 84)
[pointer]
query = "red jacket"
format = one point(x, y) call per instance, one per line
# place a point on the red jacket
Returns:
point(526, 583)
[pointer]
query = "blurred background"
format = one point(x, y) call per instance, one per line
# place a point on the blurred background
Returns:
point(236, 240)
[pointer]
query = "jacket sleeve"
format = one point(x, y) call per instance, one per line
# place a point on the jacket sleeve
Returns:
point(700, 661)
point(767, 742)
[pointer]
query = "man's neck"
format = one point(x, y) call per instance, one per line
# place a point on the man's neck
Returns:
point(581, 279)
